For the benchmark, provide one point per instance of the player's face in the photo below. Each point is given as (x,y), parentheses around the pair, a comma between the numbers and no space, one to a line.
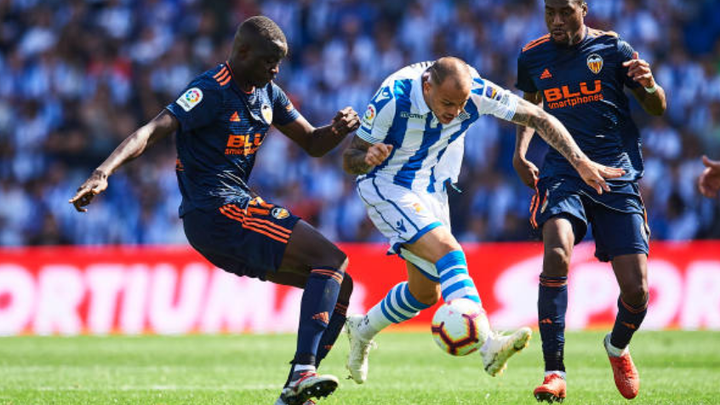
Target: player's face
(262,62)
(565,20)
(446,100)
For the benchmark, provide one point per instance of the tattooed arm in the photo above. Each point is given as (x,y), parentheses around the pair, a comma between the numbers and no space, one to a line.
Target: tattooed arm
(361,156)
(557,136)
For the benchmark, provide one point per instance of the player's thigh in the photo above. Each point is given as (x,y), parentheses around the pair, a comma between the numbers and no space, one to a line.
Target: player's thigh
(618,233)
(421,287)
(308,249)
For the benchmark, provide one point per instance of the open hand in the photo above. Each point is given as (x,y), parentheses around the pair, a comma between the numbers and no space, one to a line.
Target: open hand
(709,180)
(96,184)
(594,174)
(345,121)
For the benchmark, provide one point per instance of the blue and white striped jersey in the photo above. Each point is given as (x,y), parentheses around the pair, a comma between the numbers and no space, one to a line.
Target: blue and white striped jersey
(425,152)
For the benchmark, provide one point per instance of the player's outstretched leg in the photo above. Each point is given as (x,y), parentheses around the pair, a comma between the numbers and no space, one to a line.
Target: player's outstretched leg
(498,349)
(552,389)
(627,379)
(398,306)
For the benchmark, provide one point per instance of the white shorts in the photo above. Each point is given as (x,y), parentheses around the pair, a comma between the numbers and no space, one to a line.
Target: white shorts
(404,215)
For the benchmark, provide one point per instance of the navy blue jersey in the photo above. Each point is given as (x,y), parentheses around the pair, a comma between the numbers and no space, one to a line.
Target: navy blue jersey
(582,85)
(221,129)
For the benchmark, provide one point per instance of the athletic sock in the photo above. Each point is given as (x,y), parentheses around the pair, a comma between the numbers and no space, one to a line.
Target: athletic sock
(455,282)
(337,321)
(627,322)
(399,305)
(316,308)
(552,306)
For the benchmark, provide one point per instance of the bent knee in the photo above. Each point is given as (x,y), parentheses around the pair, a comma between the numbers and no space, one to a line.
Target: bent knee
(635,296)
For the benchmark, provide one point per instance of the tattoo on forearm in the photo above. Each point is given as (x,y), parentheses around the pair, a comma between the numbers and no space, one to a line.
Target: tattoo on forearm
(354,157)
(551,130)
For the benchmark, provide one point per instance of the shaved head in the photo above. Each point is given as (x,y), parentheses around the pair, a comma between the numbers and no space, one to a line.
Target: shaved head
(451,68)
(255,28)
(446,88)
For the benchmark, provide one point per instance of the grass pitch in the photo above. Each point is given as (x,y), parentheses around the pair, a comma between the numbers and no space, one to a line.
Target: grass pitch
(407,368)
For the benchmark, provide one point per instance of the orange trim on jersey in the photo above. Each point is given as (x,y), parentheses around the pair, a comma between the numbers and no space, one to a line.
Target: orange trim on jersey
(598,33)
(259,228)
(536,42)
(222,72)
(259,222)
(222,77)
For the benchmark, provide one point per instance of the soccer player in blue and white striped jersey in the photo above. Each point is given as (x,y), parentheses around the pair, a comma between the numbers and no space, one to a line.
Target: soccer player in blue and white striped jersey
(407,151)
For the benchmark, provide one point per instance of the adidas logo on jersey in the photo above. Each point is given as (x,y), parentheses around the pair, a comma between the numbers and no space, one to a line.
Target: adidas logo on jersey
(545,75)
(235,117)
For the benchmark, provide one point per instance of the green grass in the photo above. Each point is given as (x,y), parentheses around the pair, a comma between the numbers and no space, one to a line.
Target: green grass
(407,368)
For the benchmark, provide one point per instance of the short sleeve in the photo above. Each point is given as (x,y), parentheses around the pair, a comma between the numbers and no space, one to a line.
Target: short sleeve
(284,111)
(490,98)
(198,105)
(524,81)
(626,52)
(378,118)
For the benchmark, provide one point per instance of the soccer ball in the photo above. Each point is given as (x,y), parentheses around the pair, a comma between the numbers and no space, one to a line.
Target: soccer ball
(460,327)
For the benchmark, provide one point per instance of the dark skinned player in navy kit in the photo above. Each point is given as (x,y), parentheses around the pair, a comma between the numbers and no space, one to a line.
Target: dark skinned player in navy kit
(578,74)
(220,121)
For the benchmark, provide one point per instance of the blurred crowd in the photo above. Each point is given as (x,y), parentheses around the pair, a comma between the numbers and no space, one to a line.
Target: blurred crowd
(78,76)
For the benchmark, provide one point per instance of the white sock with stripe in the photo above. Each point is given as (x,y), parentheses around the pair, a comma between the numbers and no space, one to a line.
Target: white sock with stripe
(455,282)
(398,306)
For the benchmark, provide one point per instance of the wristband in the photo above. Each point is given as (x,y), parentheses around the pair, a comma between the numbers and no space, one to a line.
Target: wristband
(652,89)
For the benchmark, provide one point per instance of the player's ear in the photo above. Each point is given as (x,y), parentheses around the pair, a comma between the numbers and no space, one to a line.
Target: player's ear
(584,8)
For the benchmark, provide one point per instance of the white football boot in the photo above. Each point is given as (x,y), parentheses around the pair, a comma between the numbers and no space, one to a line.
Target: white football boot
(357,362)
(497,349)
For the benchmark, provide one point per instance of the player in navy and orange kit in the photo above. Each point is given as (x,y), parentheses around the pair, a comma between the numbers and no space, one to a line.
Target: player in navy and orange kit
(578,74)
(220,121)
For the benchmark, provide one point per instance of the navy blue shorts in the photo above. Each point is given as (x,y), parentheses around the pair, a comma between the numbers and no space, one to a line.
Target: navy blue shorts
(247,242)
(618,218)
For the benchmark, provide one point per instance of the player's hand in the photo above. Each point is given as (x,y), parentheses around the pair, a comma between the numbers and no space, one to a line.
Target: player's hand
(594,174)
(709,180)
(345,121)
(377,154)
(527,171)
(96,184)
(640,71)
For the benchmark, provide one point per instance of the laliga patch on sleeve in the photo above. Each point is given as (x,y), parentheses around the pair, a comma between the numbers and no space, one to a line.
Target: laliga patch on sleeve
(369,116)
(190,99)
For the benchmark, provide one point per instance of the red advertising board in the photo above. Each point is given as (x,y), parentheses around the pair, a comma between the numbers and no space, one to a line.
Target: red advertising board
(172,290)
